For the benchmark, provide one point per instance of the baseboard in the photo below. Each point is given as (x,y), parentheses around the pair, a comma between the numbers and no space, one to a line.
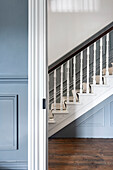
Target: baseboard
(14,165)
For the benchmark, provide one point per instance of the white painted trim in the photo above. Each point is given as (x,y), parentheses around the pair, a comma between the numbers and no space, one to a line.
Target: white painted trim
(68,81)
(107,54)
(55,89)
(94,66)
(11,164)
(61,89)
(87,70)
(36,85)
(101,46)
(74,78)
(81,74)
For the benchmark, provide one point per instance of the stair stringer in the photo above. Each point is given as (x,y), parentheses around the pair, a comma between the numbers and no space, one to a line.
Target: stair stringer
(87,102)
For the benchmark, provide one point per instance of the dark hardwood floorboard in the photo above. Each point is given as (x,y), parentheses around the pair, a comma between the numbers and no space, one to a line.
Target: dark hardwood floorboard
(80,154)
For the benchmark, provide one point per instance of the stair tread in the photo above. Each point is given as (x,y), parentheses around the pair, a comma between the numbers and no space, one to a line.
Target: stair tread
(73,103)
(57,106)
(99,85)
(60,112)
(51,121)
(110,76)
(86,94)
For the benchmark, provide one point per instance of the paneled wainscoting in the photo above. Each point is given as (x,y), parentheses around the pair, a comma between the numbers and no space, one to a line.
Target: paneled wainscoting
(13,124)
(96,123)
(80,154)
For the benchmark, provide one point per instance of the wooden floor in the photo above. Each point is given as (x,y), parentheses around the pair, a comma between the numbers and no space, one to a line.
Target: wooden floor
(80,154)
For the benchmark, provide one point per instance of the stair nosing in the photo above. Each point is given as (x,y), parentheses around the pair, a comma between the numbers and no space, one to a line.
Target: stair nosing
(60,112)
(99,85)
(86,94)
(73,103)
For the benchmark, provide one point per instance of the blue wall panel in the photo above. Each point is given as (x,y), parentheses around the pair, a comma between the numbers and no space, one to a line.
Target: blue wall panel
(111,113)
(13,84)
(96,123)
(13,38)
(14,121)
(8,122)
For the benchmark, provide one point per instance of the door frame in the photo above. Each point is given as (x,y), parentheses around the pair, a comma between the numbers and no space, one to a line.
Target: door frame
(37,71)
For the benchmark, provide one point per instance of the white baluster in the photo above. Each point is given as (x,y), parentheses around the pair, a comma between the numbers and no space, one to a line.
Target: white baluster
(81,58)
(55,89)
(101,61)
(88,70)
(74,78)
(61,91)
(67,81)
(107,54)
(94,66)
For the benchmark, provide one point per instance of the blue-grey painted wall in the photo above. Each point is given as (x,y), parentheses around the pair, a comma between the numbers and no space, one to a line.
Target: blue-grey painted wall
(13,84)
(13,38)
(96,123)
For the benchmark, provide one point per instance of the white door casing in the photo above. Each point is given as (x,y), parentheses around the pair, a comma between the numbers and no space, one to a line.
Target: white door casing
(37,140)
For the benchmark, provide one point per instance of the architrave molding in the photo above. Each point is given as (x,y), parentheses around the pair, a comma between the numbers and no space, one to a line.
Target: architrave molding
(37,140)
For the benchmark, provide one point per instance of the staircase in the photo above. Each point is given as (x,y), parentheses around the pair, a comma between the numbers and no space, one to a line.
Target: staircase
(80,80)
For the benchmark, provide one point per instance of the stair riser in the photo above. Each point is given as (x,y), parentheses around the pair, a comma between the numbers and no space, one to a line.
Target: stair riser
(51,121)
(109,80)
(96,90)
(86,99)
(75,107)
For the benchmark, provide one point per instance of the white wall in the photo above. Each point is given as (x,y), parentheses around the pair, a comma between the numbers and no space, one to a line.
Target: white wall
(68,29)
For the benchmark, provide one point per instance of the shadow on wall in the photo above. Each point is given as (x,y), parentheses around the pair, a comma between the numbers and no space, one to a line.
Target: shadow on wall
(74,5)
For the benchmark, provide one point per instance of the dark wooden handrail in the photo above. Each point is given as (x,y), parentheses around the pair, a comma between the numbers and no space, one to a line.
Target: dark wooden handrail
(80,47)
